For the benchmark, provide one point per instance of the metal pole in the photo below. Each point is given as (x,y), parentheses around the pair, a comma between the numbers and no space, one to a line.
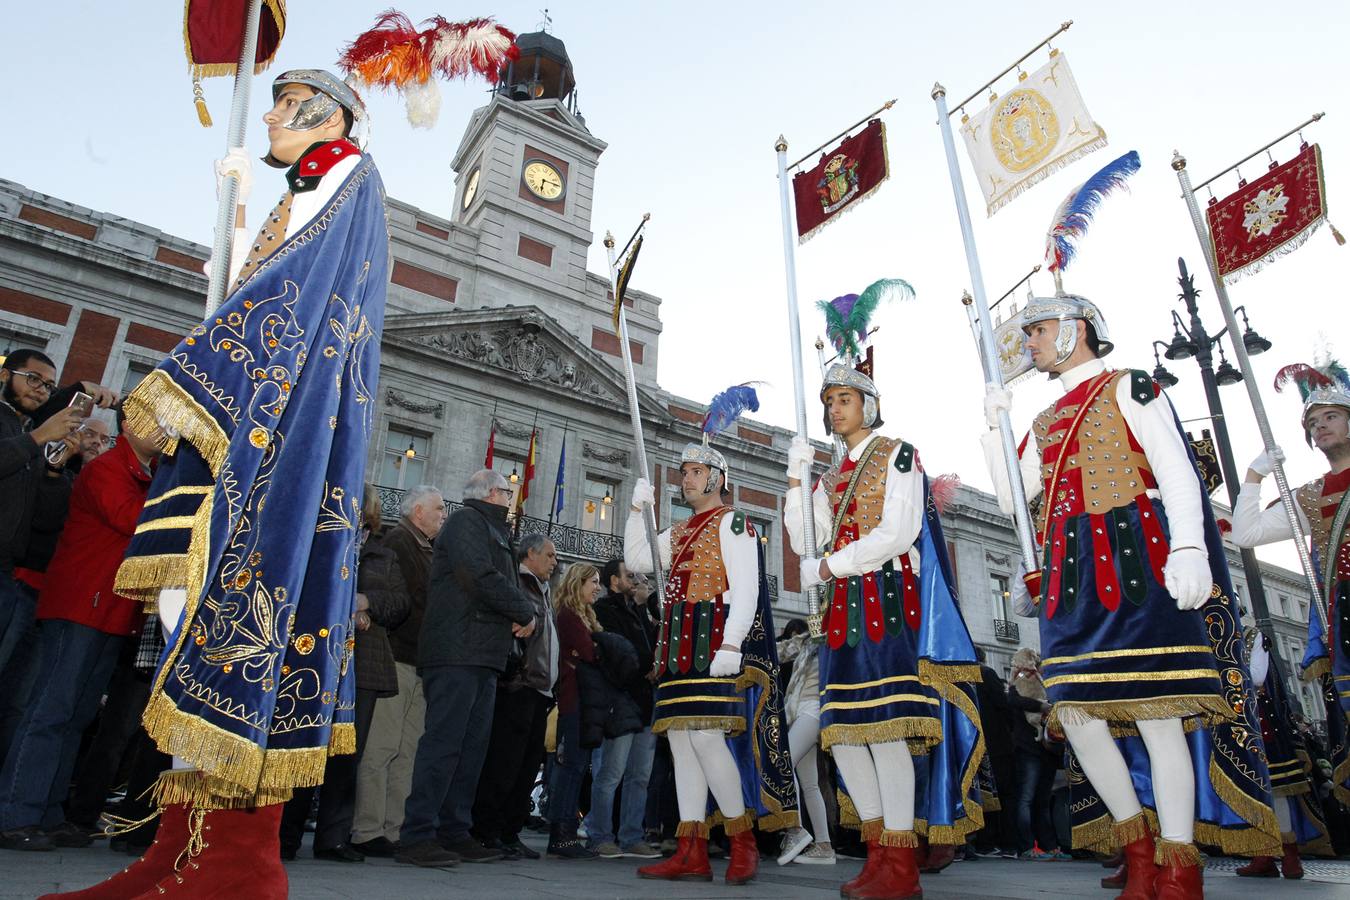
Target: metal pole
(630,380)
(1253,392)
(809,545)
(1021,515)
(1063,27)
(1205,359)
(885,106)
(1316,117)
(234,137)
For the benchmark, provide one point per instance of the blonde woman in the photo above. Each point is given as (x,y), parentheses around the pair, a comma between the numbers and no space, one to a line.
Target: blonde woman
(576,623)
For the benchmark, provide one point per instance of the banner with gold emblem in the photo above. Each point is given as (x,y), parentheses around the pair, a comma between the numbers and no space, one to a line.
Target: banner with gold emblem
(1032,131)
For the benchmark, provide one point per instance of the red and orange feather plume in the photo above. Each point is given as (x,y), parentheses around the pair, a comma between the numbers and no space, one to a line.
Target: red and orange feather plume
(391,54)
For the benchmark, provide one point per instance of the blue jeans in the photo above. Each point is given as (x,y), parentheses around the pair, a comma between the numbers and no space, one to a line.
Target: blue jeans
(569,770)
(627,758)
(18,603)
(76,663)
(450,753)
(1035,779)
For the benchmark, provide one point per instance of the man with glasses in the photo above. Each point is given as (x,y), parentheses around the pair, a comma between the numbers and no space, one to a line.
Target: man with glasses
(27,483)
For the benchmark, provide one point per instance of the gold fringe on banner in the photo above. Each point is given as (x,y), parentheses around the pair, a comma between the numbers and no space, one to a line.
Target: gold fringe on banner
(889,838)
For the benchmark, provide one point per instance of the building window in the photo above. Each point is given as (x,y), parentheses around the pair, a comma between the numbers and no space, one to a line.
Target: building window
(597,505)
(513,470)
(403,464)
(1280,605)
(679,510)
(1000,598)
(763,533)
(135,373)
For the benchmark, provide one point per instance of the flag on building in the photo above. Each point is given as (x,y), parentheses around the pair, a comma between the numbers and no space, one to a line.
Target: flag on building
(492,446)
(560,482)
(625,273)
(1269,217)
(849,173)
(1033,131)
(213,36)
(529,475)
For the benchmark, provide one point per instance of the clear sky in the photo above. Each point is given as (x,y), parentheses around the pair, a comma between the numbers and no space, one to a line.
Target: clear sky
(691,96)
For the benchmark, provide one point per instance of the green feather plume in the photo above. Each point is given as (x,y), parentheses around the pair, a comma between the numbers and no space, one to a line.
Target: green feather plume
(847,318)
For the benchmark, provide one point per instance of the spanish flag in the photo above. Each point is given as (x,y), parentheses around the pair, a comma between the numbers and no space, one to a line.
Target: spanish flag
(529,474)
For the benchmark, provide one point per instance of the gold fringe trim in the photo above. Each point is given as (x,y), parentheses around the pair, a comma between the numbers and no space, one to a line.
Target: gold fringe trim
(692,829)
(1320,845)
(957,832)
(933,673)
(990,803)
(744,822)
(1317,668)
(201,791)
(1175,853)
(732,725)
(1212,708)
(158,401)
(1261,839)
(779,821)
(921,732)
(891,838)
(342,740)
(871,830)
(1130,830)
(143,577)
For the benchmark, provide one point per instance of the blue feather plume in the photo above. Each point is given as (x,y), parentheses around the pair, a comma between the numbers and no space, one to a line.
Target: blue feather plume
(1075,214)
(727,406)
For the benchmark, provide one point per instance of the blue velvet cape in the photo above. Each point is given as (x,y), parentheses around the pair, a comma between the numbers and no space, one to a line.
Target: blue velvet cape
(255,510)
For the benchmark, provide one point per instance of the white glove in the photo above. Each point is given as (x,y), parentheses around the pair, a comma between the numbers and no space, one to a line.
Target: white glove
(235,160)
(799,459)
(996,400)
(1188,577)
(643,494)
(1023,603)
(725,663)
(811,573)
(1264,464)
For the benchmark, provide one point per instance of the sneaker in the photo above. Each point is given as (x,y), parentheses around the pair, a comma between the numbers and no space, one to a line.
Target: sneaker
(516,849)
(470,851)
(607,850)
(991,853)
(377,846)
(427,854)
(1035,853)
(641,850)
(569,848)
(68,834)
(1008,854)
(27,838)
(1061,855)
(816,855)
(795,840)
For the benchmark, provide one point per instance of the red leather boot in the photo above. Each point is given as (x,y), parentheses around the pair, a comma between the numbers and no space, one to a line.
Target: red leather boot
(1140,869)
(1180,876)
(1292,864)
(144,873)
(228,853)
(871,835)
(897,877)
(744,857)
(1259,867)
(690,862)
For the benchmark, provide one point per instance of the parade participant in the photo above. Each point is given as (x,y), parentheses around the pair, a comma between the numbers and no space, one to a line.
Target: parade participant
(897,664)
(1323,511)
(1139,629)
(247,544)
(717,694)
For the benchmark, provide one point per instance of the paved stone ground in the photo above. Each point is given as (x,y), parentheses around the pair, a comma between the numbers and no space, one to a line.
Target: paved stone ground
(26,875)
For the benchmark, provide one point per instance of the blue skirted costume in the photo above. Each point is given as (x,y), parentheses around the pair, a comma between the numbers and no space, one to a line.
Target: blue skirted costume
(255,509)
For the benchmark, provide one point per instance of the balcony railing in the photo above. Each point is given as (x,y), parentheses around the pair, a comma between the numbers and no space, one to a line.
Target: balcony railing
(577,543)
(1006,631)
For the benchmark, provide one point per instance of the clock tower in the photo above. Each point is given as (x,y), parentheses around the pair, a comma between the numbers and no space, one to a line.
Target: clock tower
(525,170)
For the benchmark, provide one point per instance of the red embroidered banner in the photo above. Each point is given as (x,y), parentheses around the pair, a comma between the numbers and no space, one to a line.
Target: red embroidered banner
(213,34)
(845,175)
(1269,217)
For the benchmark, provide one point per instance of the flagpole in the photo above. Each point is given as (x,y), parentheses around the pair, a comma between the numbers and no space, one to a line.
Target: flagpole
(234,137)
(562,457)
(1254,394)
(630,379)
(1021,514)
(809,546)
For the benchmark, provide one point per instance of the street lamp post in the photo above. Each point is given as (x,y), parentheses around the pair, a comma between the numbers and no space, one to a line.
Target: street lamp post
(1193,341)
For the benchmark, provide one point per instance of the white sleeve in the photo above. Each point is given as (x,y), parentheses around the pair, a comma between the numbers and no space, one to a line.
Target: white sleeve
(1030,463)
(901,518)
(308,205)
(637,554)
(792,518)
(1253,526)
(1154,426)
(741,558)
(1260,662)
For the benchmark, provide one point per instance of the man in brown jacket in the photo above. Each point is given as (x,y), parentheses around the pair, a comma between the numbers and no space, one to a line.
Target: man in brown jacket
(384,775)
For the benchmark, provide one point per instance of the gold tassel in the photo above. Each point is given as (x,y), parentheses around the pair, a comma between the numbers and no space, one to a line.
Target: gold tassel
(889,838)
(203,114)
(1340,239)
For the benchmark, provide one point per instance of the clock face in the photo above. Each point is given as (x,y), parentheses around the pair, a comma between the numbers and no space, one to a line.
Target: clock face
(471,189)
(543,180)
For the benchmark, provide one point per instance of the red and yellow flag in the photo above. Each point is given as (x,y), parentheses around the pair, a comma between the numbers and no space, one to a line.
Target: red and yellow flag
(529,474)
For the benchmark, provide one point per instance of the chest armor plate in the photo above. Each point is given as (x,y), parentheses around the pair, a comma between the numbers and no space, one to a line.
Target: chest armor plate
(698,572)
(1320,509)
(869,494)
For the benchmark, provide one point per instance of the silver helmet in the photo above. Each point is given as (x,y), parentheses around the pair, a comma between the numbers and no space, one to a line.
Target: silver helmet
(330,94)
(1068,308)
(1324,396)
(705,455)
(844,375)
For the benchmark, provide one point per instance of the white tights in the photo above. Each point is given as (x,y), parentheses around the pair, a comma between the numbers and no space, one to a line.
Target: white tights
(703,763)
(880,781)
(802,737)
(1283,813)
(1169,759)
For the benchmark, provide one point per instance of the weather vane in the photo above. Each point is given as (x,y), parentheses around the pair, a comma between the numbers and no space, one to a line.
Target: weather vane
(548,20)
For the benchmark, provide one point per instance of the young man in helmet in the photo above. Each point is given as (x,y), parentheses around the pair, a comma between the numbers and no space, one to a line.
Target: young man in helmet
(715,642)
(1131,555)
(885,688)
(246,545)
(1323,512)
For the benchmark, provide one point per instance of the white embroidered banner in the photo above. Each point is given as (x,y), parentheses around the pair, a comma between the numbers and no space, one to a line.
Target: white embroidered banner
(1035,129)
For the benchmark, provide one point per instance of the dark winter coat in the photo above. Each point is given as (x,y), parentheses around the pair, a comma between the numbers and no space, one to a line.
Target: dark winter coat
(413,552)
(618,615)
(607,710)
(380,578)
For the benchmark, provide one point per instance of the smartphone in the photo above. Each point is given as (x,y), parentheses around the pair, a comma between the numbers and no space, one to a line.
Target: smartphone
(83,402)
(55,451)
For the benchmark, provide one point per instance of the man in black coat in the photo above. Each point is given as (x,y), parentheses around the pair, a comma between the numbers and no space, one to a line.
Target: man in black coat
(627,758)
(475,608)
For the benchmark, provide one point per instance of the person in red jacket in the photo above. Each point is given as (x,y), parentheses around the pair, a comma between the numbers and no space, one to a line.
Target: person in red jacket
(83,625)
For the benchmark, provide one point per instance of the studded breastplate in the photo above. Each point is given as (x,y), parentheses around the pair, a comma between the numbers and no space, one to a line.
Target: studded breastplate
(865,508)
(1319,500)
(697,571)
